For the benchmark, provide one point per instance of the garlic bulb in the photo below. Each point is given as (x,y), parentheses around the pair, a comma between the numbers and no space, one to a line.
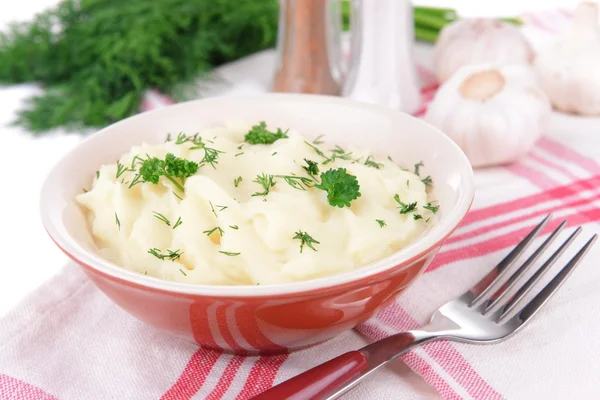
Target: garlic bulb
(478,41)
(569,70)
(494,113)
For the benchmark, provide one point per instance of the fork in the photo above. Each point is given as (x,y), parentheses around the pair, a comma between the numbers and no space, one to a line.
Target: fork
(490,312)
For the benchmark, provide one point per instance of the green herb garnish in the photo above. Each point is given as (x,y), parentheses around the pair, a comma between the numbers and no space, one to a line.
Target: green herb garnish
(182,138)
(341,187)
(169,255)
(121,169)
(96,59)
(305,239)
(405,208)
(260,135)
(273,153)
(184,274)
(212,208)
(221,208)
(117,221)
(318,139)
(237,181)
(178,196)
(372,163)
(266,181)
(381,223)
(417,217)
(311,168)
(135,181)
(162,218)
(431,207)
(211,231)
(336,153)
(317,150)
(427,181)
(97,174)
(211,155)
(177,223)
(234,227)
(239,154)
(229,253)
(418,166)
(171,167)
(297,182)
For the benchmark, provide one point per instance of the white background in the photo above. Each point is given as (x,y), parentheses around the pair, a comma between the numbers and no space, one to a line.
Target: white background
(29,257)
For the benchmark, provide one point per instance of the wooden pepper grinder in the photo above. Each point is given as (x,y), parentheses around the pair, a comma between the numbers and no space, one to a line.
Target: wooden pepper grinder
(307,47)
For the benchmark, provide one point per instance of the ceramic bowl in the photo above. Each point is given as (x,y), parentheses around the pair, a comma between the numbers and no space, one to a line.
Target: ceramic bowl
(269,318)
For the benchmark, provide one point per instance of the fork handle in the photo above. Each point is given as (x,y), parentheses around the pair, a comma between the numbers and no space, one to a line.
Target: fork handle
(317,382)
(334,377)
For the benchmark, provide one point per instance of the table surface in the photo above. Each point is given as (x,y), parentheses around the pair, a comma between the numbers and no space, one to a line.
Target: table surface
(31,258)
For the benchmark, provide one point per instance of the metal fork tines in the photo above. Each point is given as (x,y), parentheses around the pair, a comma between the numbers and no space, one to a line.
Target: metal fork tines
(498,295)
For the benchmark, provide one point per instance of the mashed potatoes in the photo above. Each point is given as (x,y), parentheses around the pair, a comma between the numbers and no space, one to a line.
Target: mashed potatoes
(251,213)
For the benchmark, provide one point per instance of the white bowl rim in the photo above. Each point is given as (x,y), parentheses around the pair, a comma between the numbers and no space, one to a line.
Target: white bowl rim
(411,252)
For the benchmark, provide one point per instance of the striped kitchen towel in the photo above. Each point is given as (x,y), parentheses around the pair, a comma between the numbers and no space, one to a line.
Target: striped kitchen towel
(68,341)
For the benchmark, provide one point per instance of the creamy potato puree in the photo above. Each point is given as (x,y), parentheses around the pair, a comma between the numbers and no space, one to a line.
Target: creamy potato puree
(215,232)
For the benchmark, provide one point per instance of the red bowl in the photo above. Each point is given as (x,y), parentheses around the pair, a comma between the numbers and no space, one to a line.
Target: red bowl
(266,318)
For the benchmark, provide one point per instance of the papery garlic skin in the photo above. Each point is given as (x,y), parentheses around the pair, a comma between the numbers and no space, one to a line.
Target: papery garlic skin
(479,41)
(494,113)
(569,69)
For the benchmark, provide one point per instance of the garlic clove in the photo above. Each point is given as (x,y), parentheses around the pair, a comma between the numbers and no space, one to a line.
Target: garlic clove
(569,69)
(494,113)
(478,41)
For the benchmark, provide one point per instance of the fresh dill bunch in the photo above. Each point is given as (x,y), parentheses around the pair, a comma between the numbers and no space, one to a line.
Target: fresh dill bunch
(96,58)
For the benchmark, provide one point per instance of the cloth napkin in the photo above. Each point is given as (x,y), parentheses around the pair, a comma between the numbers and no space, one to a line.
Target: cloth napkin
(68,341)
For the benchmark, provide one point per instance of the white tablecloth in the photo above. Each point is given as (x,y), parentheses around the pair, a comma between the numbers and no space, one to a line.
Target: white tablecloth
(31,258)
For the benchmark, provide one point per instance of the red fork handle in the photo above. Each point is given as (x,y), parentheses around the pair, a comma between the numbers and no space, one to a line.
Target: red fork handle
(318,382)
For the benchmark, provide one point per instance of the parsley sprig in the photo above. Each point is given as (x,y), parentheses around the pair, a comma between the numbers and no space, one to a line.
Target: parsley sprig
(305,240)
(427,181)
(341,187)
(404,207)
(431,207)
(259,134)
(173,168)
(311,167)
